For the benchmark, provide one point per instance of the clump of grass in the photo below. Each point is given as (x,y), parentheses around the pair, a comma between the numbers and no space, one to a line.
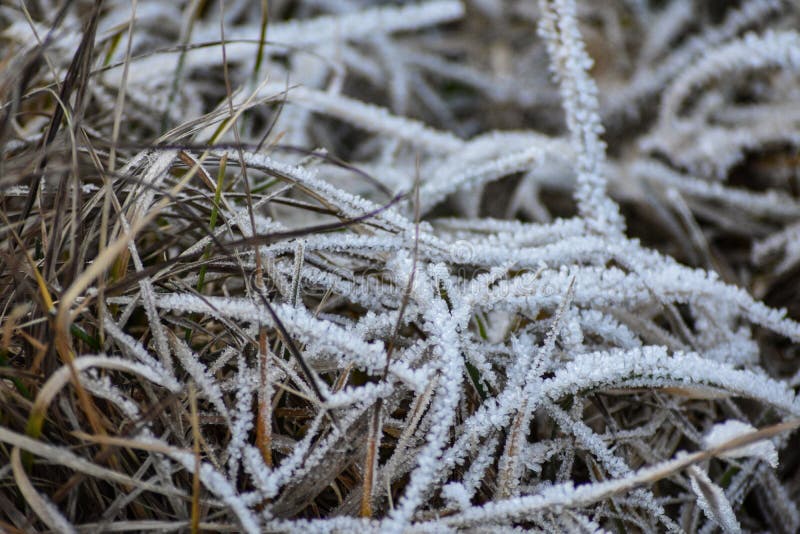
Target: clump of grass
(338,266)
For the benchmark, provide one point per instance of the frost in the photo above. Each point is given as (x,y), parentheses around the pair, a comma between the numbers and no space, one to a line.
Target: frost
(402,310)
(723,432)
(711,498)
(570,64)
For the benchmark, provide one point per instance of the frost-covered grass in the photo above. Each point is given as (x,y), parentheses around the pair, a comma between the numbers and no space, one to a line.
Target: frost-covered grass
(364,266)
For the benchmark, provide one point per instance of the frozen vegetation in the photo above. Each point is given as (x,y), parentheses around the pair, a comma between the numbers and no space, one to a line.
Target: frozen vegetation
(365,266)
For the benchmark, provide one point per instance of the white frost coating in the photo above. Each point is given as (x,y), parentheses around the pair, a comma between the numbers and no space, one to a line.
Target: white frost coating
(135,348)
(711,498)
(570,63)
(156,376)
(352,26)
(482,164)
(368,116)
(444,325)
(523,347)
(731,429)
(299,321)
(456,495)
(198,372)
(772,49)
(650,366)
(348,27)
(242,420)
(217,484)
(368,393)
(770,204)
(651,79)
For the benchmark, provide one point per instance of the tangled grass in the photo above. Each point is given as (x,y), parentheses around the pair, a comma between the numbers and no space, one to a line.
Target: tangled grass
(363,266)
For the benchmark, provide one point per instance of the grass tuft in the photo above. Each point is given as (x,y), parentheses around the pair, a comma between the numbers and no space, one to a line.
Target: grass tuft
(399,267)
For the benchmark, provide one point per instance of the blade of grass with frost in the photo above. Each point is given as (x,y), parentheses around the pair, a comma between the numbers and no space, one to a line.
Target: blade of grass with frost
(259,239)
(771,204)
(723,432)
(752,52)
(373,441)
(242,419)
(712,500)
(651,79)
(218,485)
(356,26)
(66,373)
(570,495)
(200,375)
(370,117)
(264,412)
(508,468)
(558,26)
(65,457)
(48,513)
(460,173)
(444,325)
(145,284)
(613,464)
(297,355)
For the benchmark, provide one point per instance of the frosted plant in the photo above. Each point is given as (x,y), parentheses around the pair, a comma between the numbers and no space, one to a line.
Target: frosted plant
(440,265)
